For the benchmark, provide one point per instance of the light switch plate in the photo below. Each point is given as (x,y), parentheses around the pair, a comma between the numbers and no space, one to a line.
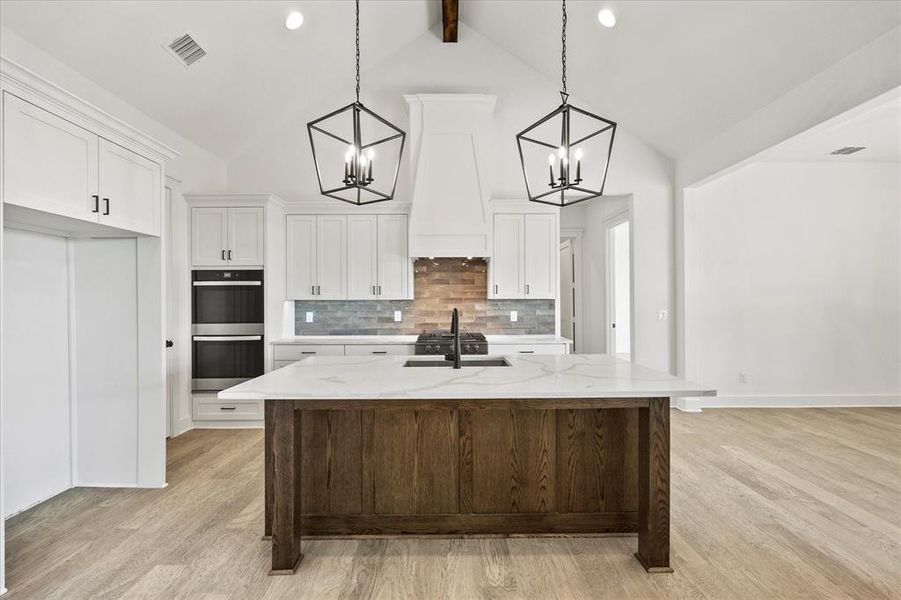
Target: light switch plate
(397,316)
(309,316)
(514,316)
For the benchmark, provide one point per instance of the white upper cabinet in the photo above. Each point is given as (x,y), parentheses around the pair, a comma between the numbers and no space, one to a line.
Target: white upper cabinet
(130,189)
(524,264)
(54,166)
(246,236)
(49,164)
(347,257)
(331,257)
(541,256)
(301,259)
(507,264)
(362,257)
(223,237)
(393,258)
(209,237)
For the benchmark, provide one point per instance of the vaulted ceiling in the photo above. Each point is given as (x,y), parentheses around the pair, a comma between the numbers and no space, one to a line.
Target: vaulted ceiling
(677,73)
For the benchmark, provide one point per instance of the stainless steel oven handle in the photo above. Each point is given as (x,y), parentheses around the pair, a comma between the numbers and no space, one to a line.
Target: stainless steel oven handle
(215,283)
(227,338)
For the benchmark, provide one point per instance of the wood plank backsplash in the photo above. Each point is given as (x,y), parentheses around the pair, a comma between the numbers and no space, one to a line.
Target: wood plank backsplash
(440,284)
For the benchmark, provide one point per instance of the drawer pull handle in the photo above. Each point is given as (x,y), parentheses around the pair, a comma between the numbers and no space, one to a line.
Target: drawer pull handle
(308,352)
(227,407)
(527,352)
(380,352)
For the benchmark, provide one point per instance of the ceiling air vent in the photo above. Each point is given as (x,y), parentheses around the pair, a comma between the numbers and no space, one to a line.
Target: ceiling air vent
(848,150)
(186,50)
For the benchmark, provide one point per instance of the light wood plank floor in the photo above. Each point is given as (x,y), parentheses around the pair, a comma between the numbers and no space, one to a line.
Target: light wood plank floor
(766,504)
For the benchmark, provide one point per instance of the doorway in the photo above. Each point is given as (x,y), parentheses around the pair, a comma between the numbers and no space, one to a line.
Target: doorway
(569,313)
(619,286)
(567,291)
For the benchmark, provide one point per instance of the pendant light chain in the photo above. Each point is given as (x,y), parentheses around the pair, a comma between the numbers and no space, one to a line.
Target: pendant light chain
(563,55)
(358,48)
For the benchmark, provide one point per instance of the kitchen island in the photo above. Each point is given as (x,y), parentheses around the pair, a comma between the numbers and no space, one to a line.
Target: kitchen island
(563,444)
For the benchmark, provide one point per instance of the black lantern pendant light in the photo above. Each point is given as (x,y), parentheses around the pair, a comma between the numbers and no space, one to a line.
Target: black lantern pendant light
(553,150)
(357,153)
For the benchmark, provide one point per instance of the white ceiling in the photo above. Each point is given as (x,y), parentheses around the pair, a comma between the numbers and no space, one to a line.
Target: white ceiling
(877,129)
(676,73)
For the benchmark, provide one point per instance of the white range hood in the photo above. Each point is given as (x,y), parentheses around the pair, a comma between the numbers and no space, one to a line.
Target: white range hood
(450,138)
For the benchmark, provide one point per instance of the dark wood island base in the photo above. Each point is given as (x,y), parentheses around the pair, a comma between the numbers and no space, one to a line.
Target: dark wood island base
(467,467)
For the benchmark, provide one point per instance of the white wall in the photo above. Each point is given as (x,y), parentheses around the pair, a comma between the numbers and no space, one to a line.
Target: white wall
(792,277)
(35,376)
(280,161)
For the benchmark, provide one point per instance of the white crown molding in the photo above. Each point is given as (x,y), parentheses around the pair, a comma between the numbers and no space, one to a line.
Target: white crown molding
(243,199)
(31,87)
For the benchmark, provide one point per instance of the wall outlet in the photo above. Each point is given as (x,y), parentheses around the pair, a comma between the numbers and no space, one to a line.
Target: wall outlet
(742,377)
(309,316)
(397,316)
(662,314)
(514,316)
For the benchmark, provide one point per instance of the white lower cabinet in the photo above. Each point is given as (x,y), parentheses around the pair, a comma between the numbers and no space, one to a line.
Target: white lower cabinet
(207,407)
(376,349)
(508,349)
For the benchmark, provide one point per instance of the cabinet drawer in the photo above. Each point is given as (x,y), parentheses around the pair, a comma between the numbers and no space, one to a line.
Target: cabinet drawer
(210,408)
(300,351)
(505,349)
(390,349)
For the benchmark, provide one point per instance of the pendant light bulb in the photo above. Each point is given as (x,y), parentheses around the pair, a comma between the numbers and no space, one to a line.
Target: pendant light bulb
(561,152)
(370,154)
(550,159)
(578,154)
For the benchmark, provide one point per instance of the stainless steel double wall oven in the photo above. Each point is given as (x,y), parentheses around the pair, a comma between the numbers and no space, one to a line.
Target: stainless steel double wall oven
(227,317)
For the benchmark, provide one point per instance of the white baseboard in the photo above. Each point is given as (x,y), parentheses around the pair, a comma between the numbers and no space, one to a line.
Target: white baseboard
(228,425)
(692,405)
(788,401)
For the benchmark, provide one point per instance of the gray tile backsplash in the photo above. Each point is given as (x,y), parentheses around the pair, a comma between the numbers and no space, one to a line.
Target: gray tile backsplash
(440,285)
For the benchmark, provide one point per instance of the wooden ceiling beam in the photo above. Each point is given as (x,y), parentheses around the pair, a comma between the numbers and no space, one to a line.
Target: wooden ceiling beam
(449,14)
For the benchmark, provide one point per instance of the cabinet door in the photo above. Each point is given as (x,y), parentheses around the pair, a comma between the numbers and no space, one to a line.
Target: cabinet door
(331,257)
(130,189)
(209,237)
(300,242)
(245,236)
(393,259)
(362,256)
(49,164)
(507,276)
(542,249)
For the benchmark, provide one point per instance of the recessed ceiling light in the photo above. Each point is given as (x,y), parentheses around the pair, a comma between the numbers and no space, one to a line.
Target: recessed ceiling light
(294,20)
(606,17)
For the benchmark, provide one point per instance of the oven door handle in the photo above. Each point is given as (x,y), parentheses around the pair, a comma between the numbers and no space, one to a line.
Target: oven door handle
(224,283)
(227,338)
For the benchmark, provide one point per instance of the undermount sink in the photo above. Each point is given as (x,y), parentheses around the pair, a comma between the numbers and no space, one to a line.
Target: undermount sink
(465,362)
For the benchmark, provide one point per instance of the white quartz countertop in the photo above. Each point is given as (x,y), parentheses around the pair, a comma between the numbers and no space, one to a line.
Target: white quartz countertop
(411,339)
(531,376)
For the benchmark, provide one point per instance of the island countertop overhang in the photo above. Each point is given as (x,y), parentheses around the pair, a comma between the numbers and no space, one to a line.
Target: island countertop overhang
(588,376)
